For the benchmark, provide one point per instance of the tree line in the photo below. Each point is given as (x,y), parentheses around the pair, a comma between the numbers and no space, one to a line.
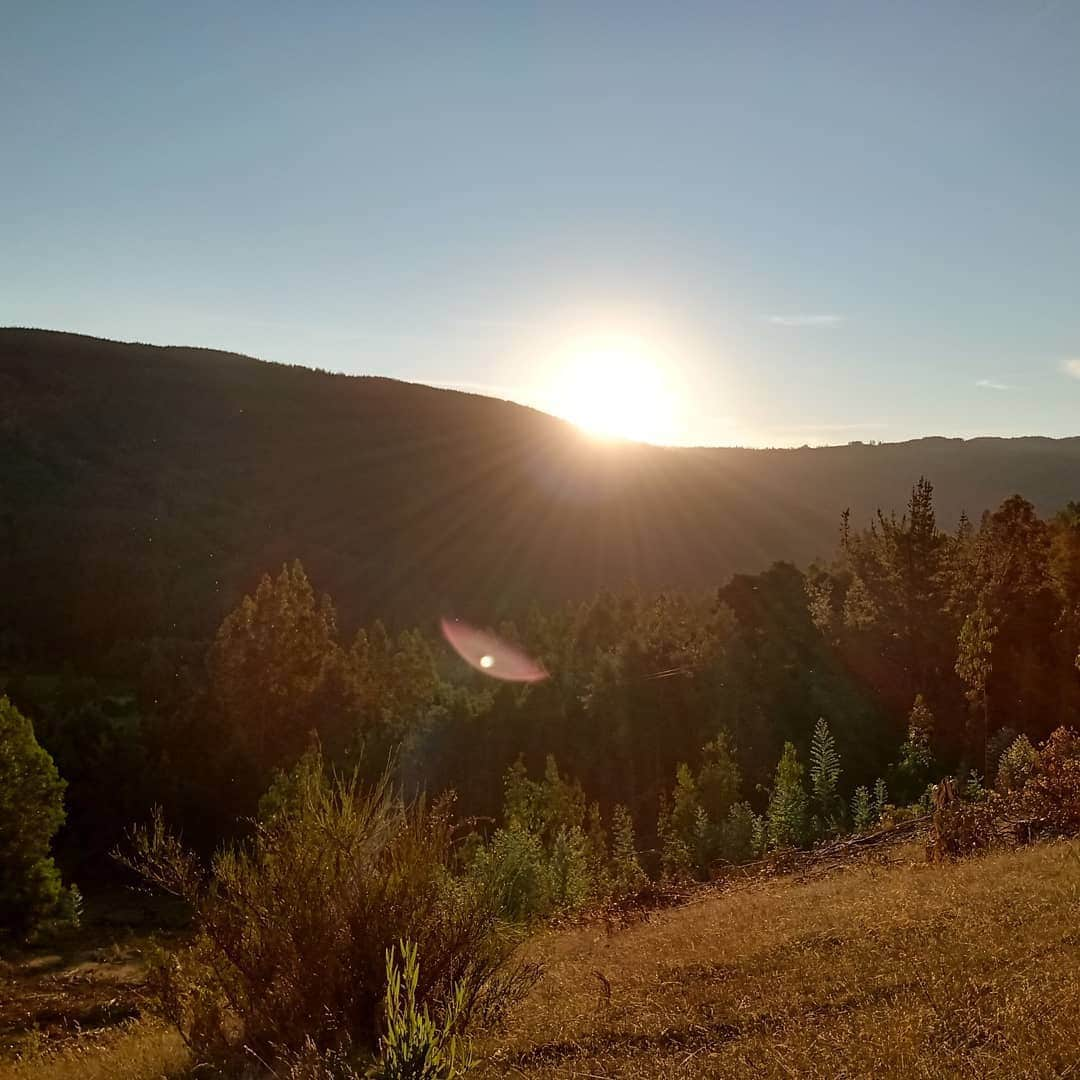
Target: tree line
(683,729)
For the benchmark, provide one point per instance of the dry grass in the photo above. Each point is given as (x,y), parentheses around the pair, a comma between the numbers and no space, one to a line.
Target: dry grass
(904,970)
(146,1050)
(909,970)
(76,1007)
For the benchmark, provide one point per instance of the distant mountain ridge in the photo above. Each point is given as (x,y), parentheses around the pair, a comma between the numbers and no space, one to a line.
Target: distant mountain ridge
(144,488)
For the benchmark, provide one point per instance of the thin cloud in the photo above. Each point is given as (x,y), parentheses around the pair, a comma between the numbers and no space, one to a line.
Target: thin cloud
(806,320)
(993,384)
(1071,367)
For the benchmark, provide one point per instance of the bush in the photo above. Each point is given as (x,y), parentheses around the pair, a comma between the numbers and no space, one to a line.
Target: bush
(570,874)
(680,828)
(738,834)
(414,1046)
(1052,795)
(31,811)
(787,812)
(1016,764)
(862,809)
(625,874)
(513,870)
(292,926)
(824,777)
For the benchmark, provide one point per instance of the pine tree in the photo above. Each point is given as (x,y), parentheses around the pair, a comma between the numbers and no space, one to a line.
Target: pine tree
(881,798)
(31,811)
(916,761)
(268,667)
(787,813)
(680,832)
(738,835)
(627,876)
(862,812)
(825,775)
(718,779)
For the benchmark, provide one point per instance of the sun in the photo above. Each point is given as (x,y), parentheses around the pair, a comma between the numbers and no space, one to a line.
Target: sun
(614,388)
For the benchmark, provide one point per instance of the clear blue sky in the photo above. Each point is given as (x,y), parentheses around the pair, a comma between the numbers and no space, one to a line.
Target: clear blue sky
(831,220)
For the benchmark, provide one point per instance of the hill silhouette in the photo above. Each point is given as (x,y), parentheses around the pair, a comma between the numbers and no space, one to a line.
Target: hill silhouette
(144,488)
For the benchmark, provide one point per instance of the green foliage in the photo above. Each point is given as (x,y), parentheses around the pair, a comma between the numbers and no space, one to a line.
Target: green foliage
(624,870)
(288,787)
(881,798)
(825,777)
(31,811)
(572,882)
(788,824)
(916,760)
(269,667)
(413,1046)
(513,868)
(719,778)
(738,835)
(680,828)
(863,812)
(292,926)
(542,860)
(1016,765)
(996,745)
(972,789)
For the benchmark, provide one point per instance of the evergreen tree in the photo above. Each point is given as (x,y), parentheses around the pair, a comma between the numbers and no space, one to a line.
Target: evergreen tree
(679,826)
(738,834)
(862,811)
(881,798)
(268,667)
(626,874)
(31,811)
(718,779)
(787,812)
(825,776)
(916,761)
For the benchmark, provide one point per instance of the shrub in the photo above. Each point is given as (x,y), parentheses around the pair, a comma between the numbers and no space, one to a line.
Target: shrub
(674,829)
(996,745)
(962,828)
(572,883)
(414,1046)
(881,799)
(624,870)
(786,815)
(31,811)
(862,810)
(824,777)
(513,870)
(737,834)
(1052,794)
(1016,765)
(718,779)
(916,761)
(292,926)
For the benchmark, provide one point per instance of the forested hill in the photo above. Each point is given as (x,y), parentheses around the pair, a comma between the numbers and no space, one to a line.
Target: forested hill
(143,489)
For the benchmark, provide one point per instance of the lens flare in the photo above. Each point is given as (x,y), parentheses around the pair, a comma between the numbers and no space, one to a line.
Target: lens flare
(491,655)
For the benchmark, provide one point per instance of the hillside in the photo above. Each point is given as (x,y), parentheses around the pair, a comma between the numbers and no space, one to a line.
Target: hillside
(901,970)
(142,489)
(905,971)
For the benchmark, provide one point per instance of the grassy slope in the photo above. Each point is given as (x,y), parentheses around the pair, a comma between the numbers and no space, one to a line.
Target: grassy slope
(902,970)
(906,971)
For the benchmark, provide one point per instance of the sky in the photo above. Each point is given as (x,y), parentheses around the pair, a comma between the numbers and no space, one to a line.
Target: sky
(821,222)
